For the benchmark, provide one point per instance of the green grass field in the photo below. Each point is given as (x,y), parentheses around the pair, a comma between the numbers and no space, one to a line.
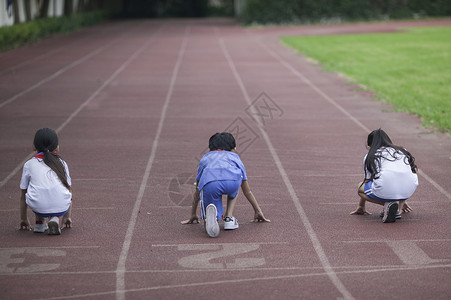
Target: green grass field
(410,69)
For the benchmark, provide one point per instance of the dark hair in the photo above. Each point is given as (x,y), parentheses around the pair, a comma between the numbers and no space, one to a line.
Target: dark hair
(377,139)
(221,141)
(46,141)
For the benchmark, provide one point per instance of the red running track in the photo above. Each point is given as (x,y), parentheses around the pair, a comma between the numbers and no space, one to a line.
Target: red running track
(134,104)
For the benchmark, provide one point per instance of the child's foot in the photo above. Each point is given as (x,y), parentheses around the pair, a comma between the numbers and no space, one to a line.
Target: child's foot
(398,215)
(211,221)
(390,210)
(40,227)
(230,223)
(54,226)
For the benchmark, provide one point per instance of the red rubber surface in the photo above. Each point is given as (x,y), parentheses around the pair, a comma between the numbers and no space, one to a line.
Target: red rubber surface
(134,104)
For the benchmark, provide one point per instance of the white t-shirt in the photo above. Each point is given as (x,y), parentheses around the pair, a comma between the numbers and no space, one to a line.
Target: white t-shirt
(45,191)
(396,179)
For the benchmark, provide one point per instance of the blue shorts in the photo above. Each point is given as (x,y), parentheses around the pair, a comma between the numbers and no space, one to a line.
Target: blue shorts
(368,189)
(47,215)
(212,194)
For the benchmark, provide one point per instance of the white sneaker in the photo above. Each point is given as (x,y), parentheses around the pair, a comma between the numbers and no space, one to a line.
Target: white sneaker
(230,223)
(40,228)
(54,226)
(211,221)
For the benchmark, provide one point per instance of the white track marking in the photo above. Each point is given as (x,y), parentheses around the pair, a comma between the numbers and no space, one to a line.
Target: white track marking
(56,247)
(56,74)
(308,226)
(383,241)
(435,184)
(355,269)
(272,278)
(120,270)
(73,208)
(42,56)
(83,105)
(259,243)
(59,72)
(342,109)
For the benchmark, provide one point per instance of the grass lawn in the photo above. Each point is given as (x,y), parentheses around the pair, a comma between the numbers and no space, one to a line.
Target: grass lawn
(410,69)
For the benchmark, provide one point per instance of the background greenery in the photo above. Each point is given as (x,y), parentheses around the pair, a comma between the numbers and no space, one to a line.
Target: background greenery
(410,70)
(311,11)
(20,34)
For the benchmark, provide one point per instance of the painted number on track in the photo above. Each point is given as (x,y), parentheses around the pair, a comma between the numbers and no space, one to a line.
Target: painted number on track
(15,260)
(211,256)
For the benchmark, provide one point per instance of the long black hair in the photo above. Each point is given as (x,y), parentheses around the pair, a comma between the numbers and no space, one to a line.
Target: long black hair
(46,141)
(377,139)
(222,141)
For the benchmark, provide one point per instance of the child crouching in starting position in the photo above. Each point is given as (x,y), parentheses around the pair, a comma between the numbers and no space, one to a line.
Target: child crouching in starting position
(221,172)
(390,177)
(46,186)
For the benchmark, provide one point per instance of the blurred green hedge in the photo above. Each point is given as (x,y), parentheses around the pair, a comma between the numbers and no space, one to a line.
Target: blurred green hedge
(18,35)
(313,11)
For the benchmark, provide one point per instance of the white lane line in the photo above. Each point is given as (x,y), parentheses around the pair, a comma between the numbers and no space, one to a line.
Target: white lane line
(383,241)
(243,280)
(342,109)
(121,268)
(84,104)
(175,206)
(257,243)
(435,184)
(297,203)
(103,179)
(355,269)
(14,68)
(56,74)
(60,71)
(73,208)
(51,247)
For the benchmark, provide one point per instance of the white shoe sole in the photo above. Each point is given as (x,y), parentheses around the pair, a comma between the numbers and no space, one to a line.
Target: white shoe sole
(390,210)
(211,222)
(54,228)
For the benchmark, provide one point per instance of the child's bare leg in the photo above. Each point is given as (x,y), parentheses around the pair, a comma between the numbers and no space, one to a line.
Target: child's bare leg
(230,206)
(361,209)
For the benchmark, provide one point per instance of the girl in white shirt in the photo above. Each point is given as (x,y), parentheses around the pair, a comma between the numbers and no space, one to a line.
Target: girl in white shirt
(46,186)
(390,177)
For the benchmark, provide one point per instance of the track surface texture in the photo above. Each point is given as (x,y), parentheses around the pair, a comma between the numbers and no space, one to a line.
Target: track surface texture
(134,103)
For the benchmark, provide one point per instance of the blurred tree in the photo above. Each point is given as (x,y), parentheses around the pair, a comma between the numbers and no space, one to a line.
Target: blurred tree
(16,12)
(44,9)
(28,17)
(68,7)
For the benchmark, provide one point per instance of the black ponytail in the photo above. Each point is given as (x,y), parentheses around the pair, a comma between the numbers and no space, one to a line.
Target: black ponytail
(46,141)
(377,139)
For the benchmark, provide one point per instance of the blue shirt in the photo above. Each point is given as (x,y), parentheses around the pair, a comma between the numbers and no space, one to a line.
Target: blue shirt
(220,165)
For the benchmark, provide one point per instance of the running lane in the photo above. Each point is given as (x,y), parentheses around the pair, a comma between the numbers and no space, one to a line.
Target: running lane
(133,141)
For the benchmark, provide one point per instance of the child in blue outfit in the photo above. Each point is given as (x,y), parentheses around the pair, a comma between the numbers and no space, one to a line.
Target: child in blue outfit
(221,172)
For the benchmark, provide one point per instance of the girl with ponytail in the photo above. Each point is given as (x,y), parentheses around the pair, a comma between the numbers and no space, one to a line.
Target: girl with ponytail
(46,186)
(390,177)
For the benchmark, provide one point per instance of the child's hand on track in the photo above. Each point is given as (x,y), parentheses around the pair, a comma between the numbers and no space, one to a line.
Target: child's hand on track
(360,211)
(405,208)
(25,225)
(66,223)
(259,217)
(192,220)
